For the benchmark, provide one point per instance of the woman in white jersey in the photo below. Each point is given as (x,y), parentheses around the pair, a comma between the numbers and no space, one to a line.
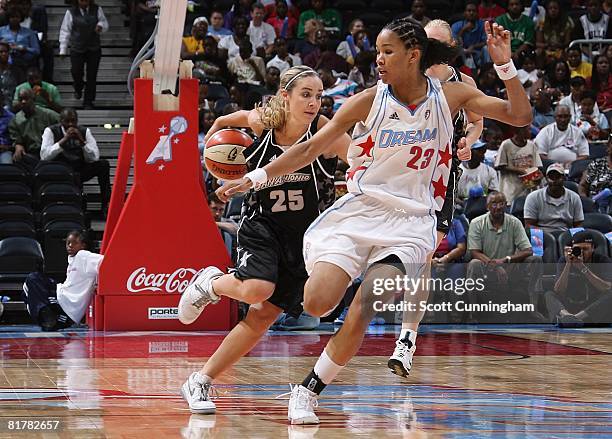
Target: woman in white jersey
(467,129)
(399,165)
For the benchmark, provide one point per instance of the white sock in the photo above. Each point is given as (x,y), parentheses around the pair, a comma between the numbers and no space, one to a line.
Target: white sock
(326,369)
(202,379)
(410,334)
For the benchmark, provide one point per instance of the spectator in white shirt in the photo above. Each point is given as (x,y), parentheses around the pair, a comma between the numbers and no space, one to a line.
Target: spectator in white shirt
(81,29)
(561,141)
(476,173)
(262,34)
(57,306)
(577,87)
(246,68)
(593,126)
(515,156)
(228,46)
(75,145)
(283,60)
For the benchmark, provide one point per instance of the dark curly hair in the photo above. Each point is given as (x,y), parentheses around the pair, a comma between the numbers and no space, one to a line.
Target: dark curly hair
(413,35)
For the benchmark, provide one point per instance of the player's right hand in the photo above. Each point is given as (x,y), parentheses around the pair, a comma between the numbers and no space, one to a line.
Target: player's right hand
(232,187)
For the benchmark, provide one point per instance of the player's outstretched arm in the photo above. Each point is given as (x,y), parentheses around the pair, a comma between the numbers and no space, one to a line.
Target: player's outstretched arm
(355,109)
(516,110)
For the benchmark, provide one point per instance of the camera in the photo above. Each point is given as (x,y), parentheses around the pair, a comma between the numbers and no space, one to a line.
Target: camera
(576,251)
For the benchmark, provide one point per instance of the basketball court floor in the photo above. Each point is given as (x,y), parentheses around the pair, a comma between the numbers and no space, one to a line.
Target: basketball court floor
(485,381)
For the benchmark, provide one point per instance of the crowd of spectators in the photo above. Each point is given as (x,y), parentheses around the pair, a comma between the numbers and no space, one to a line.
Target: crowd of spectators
(549,175)
(532,166)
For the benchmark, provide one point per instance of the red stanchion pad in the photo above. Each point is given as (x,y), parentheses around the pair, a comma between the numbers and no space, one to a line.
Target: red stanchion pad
(165,232)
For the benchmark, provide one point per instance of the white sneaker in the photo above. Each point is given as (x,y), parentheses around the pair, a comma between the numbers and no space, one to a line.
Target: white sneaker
(197,295)
(400,362)
(301,406)
(196,394)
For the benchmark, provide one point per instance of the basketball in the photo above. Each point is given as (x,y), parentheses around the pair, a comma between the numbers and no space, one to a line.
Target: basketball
(223,154)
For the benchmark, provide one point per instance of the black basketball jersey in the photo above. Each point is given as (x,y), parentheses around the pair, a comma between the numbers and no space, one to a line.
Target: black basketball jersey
(460,120)
(291,201)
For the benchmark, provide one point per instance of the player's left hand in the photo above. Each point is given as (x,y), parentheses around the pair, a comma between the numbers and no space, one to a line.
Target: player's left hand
(233,187)
(464,152)
(498,43)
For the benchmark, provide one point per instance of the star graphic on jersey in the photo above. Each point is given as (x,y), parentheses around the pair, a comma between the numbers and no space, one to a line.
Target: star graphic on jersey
(350,174)
(439,188)
(445,156)
(366,147)
(243,259)
(162,129)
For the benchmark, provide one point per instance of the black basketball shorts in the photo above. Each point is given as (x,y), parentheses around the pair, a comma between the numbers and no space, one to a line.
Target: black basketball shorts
(269,254)
(445,215)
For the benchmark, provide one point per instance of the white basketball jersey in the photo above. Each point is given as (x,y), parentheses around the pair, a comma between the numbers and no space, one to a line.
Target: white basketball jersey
(401,156)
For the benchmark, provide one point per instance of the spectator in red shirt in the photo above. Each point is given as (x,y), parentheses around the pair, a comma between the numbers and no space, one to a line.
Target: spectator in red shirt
(489,10)
(283,24)
(600,83)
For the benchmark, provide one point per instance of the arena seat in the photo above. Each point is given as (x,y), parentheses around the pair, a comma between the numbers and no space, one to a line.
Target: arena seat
(50,171)
(551,249)
(12,228)
(517,207)
(62,211)
(598,150)
(15,193)
(598,221)
(19,256)
(571,185)
(475,207)
(16,212)
(577,169)
(588,205)
(601,243)
(14,173)
(54,192)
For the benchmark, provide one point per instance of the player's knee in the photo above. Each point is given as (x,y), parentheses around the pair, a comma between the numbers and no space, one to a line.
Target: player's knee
(261,316)
(256,291)
(318,307)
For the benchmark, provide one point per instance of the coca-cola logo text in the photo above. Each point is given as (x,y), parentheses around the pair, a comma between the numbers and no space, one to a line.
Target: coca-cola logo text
(175,282)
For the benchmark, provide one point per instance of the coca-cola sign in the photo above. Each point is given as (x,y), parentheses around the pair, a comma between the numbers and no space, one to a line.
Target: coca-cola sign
(175,282)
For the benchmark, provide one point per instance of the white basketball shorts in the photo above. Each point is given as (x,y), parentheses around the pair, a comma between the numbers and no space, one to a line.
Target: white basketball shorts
(358,230)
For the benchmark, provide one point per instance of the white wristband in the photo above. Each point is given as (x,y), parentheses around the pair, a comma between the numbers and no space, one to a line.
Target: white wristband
(506,71)
(257,176)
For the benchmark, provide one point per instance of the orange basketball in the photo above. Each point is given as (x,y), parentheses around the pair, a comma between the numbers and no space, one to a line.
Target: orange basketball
(223,154)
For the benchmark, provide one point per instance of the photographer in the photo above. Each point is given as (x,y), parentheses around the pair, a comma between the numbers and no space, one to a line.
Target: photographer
(75,145)
(582,292)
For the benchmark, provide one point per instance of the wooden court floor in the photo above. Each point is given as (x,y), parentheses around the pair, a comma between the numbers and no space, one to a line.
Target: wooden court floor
(516,382)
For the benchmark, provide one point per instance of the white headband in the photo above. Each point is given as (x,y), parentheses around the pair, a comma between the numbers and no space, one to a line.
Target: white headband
(297,76)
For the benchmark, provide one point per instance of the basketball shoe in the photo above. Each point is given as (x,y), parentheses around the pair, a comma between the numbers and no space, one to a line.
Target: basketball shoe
(196,393)
(400,362)
(197,295)
(301,406)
